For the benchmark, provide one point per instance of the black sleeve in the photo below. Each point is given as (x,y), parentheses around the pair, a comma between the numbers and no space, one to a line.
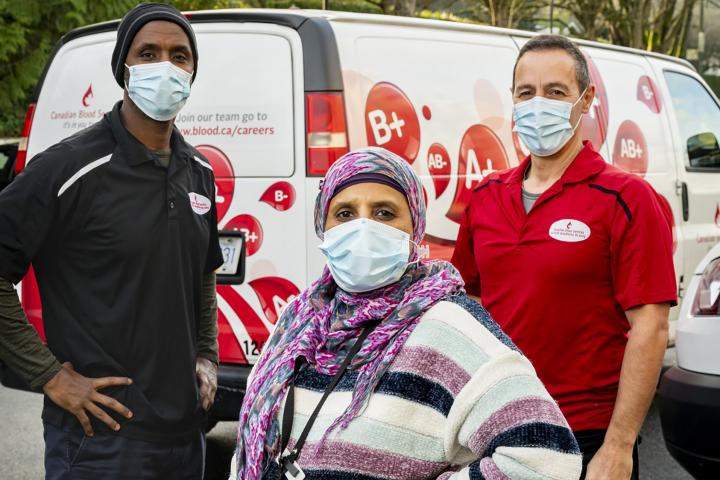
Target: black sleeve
(214,258)
(27,210)
(207,327)
(20,346)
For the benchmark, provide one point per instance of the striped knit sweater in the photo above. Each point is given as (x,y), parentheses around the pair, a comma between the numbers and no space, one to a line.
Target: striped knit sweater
(458,402)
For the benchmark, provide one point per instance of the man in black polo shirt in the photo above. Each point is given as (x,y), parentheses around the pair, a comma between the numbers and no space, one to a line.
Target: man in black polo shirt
(119,223)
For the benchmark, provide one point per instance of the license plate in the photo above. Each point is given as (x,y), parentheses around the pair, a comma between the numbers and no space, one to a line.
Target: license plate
(230,247)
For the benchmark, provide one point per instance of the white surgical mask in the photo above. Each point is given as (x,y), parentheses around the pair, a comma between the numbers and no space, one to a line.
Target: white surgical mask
(364,255)
(544,125)
(159,89)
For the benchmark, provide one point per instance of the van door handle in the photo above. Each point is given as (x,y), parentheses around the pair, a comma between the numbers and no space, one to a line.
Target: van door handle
(685,202)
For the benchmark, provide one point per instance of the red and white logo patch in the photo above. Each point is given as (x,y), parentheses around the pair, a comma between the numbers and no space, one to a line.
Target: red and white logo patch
(199,204)
(569,230)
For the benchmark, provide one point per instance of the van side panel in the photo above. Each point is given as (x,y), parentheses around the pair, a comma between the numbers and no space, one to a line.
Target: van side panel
(638,136)
(701,231)
(439,98)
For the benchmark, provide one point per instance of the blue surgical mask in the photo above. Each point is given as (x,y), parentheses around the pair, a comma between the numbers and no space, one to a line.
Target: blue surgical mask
(159,89)
(364,255)
(544,125)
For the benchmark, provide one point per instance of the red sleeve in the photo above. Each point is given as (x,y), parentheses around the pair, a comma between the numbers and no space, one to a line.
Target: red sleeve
(463,257)
(641,249)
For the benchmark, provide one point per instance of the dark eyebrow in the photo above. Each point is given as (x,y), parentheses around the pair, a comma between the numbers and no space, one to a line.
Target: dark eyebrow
(147,46)
(154,46)
(385,203)
(341,205)
(560,85)
(524,86)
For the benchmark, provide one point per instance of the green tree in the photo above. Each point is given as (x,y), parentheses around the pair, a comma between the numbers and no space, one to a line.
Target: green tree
(588,13)
(29,29)
(499,13)
(653,25)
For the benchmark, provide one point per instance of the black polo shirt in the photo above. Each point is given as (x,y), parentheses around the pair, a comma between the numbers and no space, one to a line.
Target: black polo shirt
(119,245)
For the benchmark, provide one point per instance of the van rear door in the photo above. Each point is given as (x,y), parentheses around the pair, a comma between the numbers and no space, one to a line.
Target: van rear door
(245,114)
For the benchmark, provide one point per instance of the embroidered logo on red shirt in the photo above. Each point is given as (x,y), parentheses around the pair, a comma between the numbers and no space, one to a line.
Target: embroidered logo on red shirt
(569,230)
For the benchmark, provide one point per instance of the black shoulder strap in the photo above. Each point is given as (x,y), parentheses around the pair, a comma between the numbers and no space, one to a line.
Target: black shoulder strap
(288,458)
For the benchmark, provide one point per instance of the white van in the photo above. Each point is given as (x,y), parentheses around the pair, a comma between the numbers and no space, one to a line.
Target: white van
(280,95)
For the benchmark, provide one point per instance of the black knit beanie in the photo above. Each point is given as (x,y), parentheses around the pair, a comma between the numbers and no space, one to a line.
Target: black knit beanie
(133,21)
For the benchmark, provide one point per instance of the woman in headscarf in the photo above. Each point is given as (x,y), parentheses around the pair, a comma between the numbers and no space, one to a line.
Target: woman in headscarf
(384,368)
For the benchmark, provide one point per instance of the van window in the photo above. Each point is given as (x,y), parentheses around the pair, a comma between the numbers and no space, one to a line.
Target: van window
(242,102)
(698,120)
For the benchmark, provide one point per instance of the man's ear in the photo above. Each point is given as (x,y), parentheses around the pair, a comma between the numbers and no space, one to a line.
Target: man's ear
(588,98)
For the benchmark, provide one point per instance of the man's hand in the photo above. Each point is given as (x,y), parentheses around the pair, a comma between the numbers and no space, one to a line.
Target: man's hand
(78,395)
(206,372)
(611,463)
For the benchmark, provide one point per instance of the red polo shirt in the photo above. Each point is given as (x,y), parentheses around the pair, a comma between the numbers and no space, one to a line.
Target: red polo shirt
(559,279)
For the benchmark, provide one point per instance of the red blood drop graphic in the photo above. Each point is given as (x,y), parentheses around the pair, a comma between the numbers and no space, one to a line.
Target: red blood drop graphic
(426,112)
(391,121)
(594,123)
(280,196)
(251,228)
(224,177)
(87,96)
(481,153)
(647,94)
(274,293)
(630,152)
(438,163)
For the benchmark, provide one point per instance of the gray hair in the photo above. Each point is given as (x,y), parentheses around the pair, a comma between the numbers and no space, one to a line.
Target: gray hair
(558,42)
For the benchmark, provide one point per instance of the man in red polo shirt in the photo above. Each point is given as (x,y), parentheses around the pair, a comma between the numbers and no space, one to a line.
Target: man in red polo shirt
(573,258)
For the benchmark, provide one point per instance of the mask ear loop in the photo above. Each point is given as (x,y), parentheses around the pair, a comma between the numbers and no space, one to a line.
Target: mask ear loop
(577,124)
(417,250)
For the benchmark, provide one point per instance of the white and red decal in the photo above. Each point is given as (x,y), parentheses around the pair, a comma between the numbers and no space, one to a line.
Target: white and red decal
(438,163)
(274,294)
(280,196)
(481,153)
(391,121)
(647,94)
(224,177)
(251,228)
(630,152)
(595,123)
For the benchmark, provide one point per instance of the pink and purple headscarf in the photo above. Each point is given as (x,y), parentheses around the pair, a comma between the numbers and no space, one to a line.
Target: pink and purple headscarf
(322,323)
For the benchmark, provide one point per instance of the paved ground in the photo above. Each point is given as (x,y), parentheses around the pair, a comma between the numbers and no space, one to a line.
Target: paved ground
(21,447)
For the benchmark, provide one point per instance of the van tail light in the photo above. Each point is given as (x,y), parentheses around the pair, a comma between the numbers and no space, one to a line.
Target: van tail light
(21,156)
(326,131)
(707,298)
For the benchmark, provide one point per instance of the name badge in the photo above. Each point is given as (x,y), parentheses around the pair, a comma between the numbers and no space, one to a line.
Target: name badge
(569,230)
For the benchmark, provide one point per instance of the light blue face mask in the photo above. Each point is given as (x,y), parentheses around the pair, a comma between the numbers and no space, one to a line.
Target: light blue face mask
(159,89)
(544,125)
(364,255)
